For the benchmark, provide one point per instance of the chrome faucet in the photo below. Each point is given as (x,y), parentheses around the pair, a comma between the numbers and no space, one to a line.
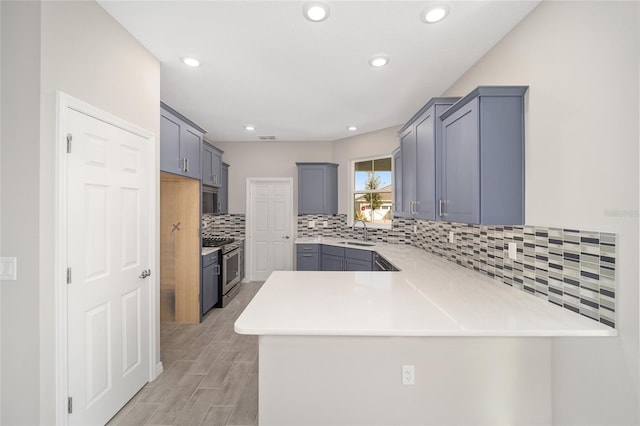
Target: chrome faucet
(364,236)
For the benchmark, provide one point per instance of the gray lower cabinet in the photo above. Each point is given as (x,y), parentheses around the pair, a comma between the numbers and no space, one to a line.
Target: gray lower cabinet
(210,282)
(481,179)
(346,259)
(180,144)
(317,188)
(419,145)
(308,257)
(211,165)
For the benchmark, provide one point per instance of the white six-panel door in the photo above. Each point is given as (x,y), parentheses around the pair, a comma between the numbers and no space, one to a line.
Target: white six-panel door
(270,238)
(107,300)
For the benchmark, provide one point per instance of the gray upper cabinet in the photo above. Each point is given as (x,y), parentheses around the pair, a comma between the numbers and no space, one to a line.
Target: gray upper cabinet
(223,192)
(481,176)
(408,158)
(419,146)
(180,144)
(211,165)
(317,188)
(397,181)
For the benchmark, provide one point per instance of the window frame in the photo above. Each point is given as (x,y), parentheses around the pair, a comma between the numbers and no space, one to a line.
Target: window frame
(352,192)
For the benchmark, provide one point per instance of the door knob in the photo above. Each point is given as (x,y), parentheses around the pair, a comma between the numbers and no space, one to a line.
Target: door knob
(145,273)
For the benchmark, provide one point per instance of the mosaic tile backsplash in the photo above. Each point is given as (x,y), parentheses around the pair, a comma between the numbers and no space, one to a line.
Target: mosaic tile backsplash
(571,268)
(223,225)
(400,233)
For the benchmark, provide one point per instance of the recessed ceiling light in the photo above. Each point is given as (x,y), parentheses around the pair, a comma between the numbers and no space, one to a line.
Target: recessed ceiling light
(315,11)
(192,62)
(433,14)
(378,61)
(352,128)
(249,128)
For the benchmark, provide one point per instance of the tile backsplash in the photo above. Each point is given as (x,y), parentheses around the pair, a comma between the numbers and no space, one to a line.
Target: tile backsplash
(223,225)
(400,232)
(571,268)
(574,269)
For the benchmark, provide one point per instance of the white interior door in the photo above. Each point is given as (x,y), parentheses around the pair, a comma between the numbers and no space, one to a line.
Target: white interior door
(107,237)
(270,216)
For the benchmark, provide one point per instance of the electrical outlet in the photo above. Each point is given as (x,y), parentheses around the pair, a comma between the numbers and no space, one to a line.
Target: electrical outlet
(8,268)
(311,224)
(452,237)
(408,375)
(415,228)
(513,251)
(325,224)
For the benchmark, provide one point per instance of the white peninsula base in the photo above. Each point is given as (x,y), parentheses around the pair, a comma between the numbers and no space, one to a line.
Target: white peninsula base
(345,380)
(332,346)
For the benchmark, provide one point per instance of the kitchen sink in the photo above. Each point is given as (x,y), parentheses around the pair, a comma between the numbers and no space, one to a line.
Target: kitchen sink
(355,243)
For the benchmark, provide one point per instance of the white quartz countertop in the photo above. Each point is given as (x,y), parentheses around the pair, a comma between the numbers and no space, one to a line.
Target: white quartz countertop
(429,296)
(209,250)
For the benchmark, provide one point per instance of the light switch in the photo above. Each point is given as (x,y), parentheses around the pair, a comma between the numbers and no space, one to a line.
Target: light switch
(513,251)
(8,268)
(311,224)
(325,224)
(452,237)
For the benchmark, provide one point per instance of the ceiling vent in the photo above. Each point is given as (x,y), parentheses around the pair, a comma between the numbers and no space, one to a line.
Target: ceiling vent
(267,138)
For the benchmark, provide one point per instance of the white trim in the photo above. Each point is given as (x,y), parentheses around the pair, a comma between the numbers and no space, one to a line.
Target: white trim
(64,103)
(352,191)
(248,220)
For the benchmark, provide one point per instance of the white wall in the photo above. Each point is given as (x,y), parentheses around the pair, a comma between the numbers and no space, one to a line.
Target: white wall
(267,159)
(372,144)
(580,60)
(19,190)
(278,159)
(80,50)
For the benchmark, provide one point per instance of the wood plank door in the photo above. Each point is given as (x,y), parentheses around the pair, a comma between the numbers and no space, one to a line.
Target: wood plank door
(270,229)
(108,296)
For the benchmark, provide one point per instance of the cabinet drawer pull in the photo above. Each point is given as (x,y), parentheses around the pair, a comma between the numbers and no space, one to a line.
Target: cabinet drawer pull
(307,255)
(307,248)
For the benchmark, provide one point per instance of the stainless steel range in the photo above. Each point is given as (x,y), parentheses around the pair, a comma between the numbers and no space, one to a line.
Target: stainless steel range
(231,266)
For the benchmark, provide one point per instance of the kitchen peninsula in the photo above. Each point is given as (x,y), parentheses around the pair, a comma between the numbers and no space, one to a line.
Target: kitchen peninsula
(332,345)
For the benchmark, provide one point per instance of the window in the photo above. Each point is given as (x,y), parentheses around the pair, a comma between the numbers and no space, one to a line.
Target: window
(372,193)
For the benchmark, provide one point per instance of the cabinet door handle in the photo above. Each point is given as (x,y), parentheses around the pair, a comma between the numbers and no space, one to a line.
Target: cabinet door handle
(186,161)
(217,269)
(440,208)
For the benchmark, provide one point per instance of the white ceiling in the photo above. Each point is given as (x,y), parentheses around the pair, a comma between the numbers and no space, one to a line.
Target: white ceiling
(264,64)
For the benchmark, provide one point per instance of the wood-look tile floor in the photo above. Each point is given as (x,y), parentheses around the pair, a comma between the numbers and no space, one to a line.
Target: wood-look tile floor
(210,373)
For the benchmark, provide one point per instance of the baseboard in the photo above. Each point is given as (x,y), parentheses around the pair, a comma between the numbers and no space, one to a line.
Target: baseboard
(159,369)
